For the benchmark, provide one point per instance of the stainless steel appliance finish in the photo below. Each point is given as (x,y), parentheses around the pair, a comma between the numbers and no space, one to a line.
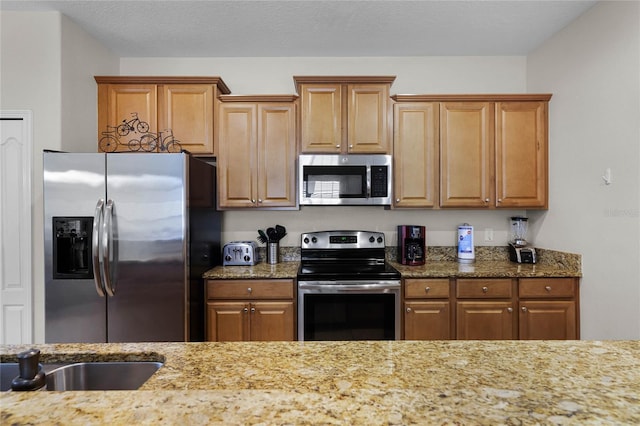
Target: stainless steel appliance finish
(240,253)
(132,272)
(346,289)
(358,179)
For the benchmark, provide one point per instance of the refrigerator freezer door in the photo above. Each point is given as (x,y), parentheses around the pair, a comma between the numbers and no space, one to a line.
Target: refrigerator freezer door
(73,185)
(148,247)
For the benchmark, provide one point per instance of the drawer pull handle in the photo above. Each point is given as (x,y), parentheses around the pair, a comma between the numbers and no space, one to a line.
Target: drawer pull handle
(427,289)
(548,288)
(485,289)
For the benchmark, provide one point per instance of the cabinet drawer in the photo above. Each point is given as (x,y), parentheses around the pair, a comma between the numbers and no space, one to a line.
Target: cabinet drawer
(250,289)
(426,288)
(546,287)
(483,288)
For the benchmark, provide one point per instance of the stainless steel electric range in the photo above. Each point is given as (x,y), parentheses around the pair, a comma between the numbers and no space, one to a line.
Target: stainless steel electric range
(346,289)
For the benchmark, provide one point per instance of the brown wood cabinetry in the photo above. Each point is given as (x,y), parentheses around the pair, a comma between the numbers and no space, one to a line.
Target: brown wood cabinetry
(250,310)
(257,151)
(548,308)
(341,115)
(493,150)
(427,313)
(185,105)
(491,308)
(485,309)
(416,154)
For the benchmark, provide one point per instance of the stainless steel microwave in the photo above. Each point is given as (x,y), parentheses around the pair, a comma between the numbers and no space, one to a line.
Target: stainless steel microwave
(350,180)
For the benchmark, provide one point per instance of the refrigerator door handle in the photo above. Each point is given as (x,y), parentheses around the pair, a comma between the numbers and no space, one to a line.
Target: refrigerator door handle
(95,246)
(106,247)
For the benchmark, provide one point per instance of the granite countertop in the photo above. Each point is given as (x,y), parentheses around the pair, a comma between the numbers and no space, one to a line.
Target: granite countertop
(374,382)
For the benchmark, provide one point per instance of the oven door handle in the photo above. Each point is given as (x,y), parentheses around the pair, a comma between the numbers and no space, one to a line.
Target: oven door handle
(349,288)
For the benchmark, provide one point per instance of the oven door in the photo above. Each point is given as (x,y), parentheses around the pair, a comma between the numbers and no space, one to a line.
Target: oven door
(349,310)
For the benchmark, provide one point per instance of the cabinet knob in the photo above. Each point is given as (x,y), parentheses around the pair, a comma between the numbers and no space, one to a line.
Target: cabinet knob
(245,310)
(486,200)
(253,201)
(524,309)
(509,310)
(427,289)
(259,200)
(350,146)
(397,200)
(337,146)
(548,288)
(499,200)
(253,310)
(485,289)
(249,290)
(408,309)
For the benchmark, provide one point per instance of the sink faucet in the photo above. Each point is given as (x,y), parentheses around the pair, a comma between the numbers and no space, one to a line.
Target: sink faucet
(31,376)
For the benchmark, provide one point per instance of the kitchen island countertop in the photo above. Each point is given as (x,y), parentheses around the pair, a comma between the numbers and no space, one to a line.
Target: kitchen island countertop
(375,382)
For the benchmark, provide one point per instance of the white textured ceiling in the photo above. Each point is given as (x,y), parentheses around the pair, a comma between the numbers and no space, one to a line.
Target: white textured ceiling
(212,28)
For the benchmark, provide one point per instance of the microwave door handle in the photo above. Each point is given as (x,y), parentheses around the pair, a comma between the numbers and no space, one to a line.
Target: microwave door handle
(368,194)
(106,247)
(98,217)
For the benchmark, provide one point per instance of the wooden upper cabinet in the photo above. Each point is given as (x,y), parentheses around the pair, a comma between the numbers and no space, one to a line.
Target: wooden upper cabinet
(187,109)
(126,112)
(257,151)
(342,115)
(185,105)
(466,154)
(415,154)
(521,154)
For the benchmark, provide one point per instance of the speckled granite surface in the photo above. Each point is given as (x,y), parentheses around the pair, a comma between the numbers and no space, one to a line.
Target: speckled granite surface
(389,382)
(491,262)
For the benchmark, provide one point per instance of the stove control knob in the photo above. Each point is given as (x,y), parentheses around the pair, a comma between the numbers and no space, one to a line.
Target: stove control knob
(371,239)
(306,240)
(314,240)
(380,239)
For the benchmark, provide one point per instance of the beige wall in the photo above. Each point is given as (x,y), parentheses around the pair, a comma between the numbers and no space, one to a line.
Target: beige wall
(593,69)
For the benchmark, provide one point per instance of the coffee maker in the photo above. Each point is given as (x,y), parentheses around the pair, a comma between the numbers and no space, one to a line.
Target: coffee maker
(411,245)
(519,250)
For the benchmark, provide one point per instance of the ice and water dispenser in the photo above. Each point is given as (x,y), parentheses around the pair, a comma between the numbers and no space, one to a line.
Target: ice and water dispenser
(72,247)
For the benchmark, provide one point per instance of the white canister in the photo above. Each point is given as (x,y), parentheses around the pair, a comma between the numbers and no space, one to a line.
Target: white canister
(466,251)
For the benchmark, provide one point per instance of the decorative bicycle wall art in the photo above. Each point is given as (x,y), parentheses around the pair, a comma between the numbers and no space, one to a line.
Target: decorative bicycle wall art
(163,141)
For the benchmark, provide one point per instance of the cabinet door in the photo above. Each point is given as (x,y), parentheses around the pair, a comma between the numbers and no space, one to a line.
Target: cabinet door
(227,321)
(466,154)
(272,321)
(368,119)
(117,106)
(427,320)
(187,109)
(521,154)
(548,320)
(321,118)
(276,149)
(485,320)
(415,154)
(237,156)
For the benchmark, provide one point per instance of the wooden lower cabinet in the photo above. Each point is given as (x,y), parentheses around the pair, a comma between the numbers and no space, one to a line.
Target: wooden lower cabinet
(491,309)
(250,310)
(549,308)
(485,320)
(427,313)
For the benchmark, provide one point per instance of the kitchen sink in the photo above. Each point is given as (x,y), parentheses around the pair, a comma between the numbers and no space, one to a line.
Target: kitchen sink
(88,375)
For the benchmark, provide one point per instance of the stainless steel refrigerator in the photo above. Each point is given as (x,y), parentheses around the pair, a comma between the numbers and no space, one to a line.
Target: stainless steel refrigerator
(127,239)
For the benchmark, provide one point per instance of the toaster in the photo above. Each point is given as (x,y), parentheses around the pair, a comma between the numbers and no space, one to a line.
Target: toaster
(240,253)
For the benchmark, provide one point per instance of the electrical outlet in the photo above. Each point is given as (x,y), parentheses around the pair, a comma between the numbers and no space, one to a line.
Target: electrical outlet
(488,234)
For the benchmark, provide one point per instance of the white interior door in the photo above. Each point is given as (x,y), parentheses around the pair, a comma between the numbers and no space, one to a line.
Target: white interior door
(16,317)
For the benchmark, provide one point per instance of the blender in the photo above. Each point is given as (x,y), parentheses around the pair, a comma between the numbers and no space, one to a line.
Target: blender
(519,250)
